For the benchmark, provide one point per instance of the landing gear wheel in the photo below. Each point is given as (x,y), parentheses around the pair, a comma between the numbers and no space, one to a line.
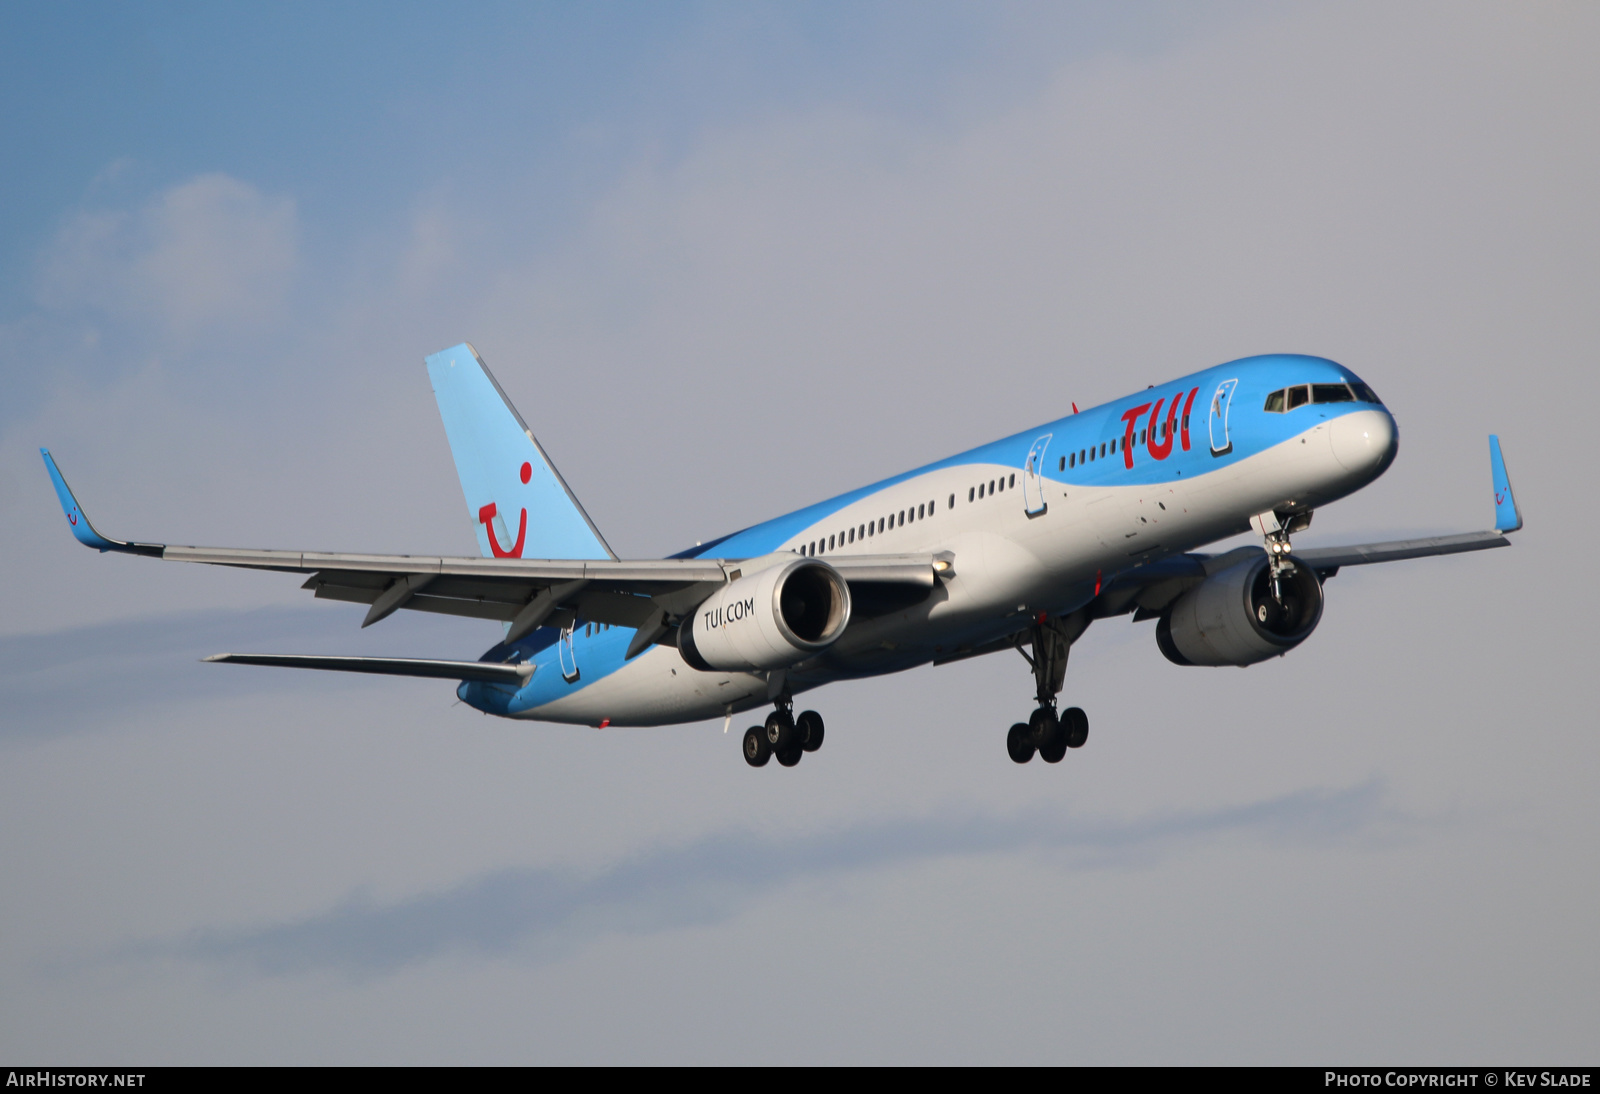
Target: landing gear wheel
(1043,728)
(809,728)
(1018,744)
(791,757)
(756,749)
(1076,724)
(781,733)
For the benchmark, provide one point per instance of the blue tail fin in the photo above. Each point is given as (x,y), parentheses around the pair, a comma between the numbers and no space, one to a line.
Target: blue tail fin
(517,500)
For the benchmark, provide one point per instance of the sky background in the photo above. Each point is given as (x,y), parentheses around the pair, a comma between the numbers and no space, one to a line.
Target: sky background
(728,260)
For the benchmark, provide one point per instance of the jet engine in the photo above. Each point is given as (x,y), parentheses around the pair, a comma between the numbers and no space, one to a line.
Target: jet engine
(1235,617)
(771,619)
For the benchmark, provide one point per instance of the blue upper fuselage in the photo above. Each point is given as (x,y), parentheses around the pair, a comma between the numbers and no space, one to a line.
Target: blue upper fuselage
(1249,429)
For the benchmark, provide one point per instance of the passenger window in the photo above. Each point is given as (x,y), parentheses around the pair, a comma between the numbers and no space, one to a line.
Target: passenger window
(919,512)
(1275,403)
(1074,458)
(991,486)
(1331,393)
(1298,396)
(830,543)
(1063,466)
(852,535)
(972,493)
(952,504)
(1013,481)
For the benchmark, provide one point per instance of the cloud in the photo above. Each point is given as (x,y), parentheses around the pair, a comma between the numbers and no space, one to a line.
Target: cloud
(82,678)
(210,252)
(711,879)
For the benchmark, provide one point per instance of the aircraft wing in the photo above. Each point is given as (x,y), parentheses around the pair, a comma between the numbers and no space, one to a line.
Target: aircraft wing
(1148,590)
(1327,560)
(527,593)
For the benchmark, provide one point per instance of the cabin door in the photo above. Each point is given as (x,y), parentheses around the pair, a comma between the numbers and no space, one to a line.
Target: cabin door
(1033,481)
(1218,418)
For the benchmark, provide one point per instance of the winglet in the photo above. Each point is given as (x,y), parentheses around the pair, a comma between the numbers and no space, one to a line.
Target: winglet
(81,528)
(1507,517)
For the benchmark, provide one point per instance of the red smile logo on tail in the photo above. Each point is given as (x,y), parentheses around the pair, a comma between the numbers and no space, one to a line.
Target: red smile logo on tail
(486,517)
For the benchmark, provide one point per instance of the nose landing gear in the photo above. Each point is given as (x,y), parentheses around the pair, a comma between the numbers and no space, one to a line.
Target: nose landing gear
(1046,732)
(1274,532)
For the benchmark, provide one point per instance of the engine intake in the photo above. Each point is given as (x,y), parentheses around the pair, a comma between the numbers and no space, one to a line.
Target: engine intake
(771,619)
(1232,618)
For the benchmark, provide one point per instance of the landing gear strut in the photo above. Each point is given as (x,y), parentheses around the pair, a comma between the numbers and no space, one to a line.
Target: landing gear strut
(1274,531)
(1046,732)
(784,735)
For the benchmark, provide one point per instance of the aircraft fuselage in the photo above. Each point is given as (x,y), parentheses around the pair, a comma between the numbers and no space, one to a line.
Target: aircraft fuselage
(1040,522)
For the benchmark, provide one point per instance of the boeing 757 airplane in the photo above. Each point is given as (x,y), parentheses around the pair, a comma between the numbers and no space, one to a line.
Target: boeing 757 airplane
(1016,545)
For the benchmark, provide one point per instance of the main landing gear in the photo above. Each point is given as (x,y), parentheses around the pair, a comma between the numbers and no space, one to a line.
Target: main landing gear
(1046,732)
(785,736)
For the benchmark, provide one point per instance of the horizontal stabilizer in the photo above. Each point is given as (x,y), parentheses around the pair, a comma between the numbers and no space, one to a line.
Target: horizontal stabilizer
(483,671)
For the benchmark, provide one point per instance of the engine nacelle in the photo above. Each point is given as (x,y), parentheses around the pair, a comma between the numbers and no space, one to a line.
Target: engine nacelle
(771,619)
(1232,618)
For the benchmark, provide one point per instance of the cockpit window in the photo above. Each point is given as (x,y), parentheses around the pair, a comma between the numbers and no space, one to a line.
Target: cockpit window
(1287,399)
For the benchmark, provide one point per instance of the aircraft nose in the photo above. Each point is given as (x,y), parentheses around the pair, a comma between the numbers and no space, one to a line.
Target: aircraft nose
(1365,442)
